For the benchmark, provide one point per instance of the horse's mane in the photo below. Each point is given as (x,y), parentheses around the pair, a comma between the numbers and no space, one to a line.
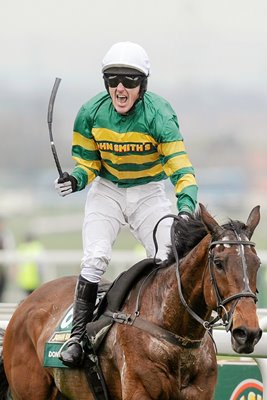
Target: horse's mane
(188,233)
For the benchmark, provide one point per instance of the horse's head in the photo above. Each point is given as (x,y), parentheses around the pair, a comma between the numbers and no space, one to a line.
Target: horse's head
(231,289)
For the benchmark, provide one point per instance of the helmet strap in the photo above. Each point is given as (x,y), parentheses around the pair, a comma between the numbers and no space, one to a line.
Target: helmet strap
(143,88)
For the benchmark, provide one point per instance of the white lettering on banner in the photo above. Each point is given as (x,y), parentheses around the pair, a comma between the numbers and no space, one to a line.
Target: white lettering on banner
(67,319)
(53,354)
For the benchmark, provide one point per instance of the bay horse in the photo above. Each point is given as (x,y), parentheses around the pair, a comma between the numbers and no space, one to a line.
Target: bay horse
(216,270)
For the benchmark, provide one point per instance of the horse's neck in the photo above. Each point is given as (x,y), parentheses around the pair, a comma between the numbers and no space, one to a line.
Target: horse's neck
(192,271)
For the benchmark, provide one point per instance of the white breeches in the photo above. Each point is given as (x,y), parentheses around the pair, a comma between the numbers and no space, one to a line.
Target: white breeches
(108,208)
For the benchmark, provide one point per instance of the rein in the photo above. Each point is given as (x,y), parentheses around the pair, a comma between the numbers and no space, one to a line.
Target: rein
(226,321)
(136,321)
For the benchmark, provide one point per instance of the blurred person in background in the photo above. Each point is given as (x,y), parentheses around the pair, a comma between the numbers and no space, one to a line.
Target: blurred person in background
(29,269)
(7,242)
(126,142)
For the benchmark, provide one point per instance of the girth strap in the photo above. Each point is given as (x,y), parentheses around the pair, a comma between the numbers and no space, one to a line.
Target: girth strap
(95,377)
(153,329)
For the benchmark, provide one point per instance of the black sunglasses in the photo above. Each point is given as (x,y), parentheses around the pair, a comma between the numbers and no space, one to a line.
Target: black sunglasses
(128,81)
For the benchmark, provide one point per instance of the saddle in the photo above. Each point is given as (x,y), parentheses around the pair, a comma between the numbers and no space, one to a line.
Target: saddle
(113,299)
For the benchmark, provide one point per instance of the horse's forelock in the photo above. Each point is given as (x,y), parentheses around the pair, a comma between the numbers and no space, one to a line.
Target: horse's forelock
(235,226)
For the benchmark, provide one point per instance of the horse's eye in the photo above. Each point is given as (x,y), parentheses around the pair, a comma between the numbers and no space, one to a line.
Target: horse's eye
(218,263)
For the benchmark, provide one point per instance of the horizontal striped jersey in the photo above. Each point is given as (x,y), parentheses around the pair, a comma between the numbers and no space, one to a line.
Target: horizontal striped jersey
(143,146)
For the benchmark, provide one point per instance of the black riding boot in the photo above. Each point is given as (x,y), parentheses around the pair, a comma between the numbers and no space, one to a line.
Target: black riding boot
(83,308)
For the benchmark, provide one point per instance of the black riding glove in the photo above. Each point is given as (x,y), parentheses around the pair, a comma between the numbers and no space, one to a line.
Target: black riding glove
(66,184)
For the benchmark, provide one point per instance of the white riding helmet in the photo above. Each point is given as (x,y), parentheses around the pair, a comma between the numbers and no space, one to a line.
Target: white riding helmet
(127,55)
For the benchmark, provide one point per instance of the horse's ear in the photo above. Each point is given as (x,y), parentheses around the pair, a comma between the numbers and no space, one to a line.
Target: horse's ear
(253,220)
(210,223)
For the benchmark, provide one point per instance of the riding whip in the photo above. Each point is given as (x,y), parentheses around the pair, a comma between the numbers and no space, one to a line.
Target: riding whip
(50,120)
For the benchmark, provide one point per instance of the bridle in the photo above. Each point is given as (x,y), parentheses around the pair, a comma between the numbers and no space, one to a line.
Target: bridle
(220,320)
(135,319)
(247,292)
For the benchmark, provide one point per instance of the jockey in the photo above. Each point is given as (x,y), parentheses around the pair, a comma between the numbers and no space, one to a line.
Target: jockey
(126,142)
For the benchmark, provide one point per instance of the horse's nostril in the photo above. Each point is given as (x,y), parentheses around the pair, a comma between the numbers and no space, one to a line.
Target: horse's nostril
(243,335)
(240,335)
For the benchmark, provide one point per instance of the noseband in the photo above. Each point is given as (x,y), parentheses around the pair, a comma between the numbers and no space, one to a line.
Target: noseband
(247,292)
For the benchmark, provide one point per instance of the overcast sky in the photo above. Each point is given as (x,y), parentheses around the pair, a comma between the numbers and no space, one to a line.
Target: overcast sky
(188,41)
(207,55)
